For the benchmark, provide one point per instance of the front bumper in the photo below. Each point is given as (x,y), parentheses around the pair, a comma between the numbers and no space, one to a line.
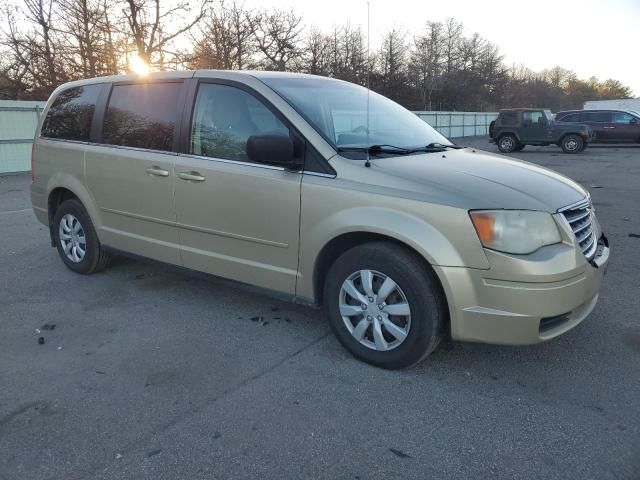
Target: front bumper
(490,310)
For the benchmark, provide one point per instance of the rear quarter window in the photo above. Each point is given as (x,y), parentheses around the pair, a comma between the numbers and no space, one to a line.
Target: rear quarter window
(71,114)
(509,119)
(142,115)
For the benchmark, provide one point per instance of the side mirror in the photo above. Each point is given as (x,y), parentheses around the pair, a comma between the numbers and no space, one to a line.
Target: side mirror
(633,121)
(272,149)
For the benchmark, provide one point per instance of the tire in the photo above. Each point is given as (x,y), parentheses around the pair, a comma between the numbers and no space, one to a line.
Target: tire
(73,228)
(572,143)
(507,143)
(417,287)
(519,148)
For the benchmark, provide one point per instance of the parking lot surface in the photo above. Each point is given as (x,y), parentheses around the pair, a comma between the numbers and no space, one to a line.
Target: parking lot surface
(156,373)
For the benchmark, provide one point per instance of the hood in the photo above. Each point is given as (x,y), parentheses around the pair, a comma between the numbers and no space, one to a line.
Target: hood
(479,180)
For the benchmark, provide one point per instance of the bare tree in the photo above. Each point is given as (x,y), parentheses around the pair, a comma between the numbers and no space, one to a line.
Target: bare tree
(427,61)
(277,34)
(152,27)
(392,65)
(88,45)
(224,40)
(317,48)
(34,49)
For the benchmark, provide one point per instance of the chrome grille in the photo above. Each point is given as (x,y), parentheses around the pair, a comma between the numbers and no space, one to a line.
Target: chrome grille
(581,222)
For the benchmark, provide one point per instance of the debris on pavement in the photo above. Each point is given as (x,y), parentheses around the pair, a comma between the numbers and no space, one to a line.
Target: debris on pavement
(399,453)
(41,340)
(48,326)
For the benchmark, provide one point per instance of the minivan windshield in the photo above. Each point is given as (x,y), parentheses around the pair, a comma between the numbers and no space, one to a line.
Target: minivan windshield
(338,111)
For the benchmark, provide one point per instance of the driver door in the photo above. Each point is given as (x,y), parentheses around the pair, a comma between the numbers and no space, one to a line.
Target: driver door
(535,127)
(237,219)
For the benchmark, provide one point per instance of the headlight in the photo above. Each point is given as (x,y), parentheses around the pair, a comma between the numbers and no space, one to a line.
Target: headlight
(515,231)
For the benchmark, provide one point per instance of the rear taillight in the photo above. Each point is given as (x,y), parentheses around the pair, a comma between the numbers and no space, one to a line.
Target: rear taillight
(33,172)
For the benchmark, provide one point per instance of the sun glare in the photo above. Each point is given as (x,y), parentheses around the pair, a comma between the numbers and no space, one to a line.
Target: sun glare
(138,65)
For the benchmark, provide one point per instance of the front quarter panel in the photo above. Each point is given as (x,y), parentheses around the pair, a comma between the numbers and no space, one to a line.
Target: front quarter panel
(331,207)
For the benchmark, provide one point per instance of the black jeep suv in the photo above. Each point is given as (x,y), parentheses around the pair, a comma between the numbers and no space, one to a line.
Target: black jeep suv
(514,128)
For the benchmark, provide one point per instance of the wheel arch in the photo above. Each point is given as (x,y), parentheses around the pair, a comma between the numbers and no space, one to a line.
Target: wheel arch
(61,188)
(346,241)
(506,132)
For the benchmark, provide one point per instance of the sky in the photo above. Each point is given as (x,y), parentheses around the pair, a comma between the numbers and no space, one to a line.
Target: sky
(592,38)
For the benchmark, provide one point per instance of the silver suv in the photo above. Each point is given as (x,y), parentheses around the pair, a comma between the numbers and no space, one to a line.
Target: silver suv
(313,189)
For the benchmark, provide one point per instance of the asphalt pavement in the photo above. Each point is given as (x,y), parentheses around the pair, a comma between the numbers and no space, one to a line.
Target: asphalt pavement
(147,372)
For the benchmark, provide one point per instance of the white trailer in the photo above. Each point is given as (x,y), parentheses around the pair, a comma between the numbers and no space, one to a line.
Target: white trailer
(632,104)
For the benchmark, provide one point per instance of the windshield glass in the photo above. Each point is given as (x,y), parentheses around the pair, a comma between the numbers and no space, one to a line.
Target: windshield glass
(338,111)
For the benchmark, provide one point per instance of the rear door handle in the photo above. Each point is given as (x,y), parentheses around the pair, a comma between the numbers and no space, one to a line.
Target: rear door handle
(157,171)
(191,176)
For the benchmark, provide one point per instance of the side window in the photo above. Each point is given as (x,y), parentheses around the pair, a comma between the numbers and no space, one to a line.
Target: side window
(224,118)
(533,119)
(142,115)
(71,114)
(572,117)
(597,117)
(509,119)
(621,117)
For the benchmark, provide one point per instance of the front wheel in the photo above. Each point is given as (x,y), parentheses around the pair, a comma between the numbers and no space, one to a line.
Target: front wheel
(384,305)
(572,144)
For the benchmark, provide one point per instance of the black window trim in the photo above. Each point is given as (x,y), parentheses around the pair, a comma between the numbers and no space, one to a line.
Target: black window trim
(93,119)
(97,130)
(322,168)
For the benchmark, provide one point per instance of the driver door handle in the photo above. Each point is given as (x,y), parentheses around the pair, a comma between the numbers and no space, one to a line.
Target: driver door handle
(191,176)
(157,171)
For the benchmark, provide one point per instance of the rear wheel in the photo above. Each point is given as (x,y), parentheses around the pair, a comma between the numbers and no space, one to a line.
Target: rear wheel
(572,143)
(384,305)
(507,143)
(76,239)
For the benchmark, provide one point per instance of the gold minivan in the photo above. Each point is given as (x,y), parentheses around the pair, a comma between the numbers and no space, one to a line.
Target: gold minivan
(320,191)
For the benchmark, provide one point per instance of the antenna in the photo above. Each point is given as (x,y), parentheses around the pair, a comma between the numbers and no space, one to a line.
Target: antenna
(368,163)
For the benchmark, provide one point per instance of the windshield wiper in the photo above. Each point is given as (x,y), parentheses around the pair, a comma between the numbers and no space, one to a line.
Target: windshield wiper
(374,149)
(437,145)
(386,148)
